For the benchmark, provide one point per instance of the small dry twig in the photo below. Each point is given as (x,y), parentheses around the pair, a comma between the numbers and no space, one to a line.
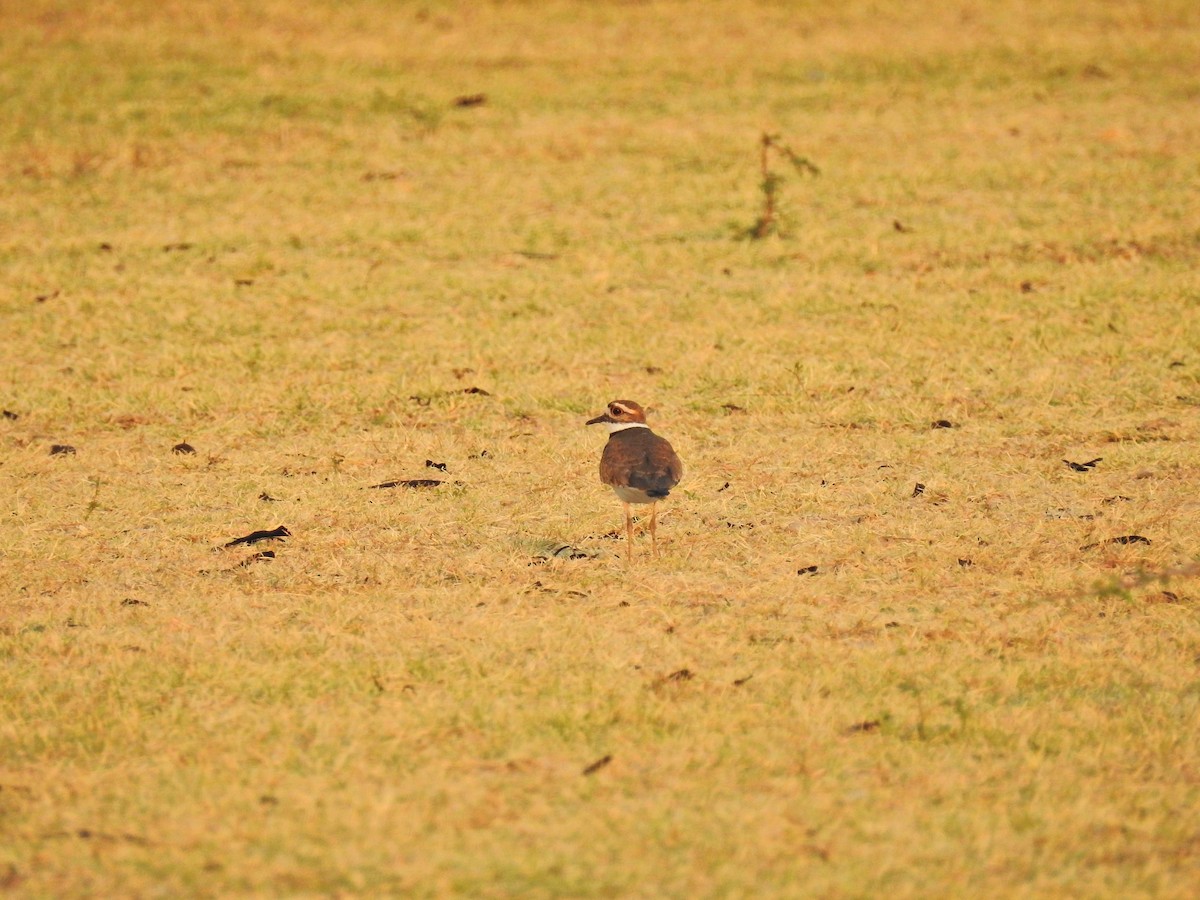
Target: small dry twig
(772,181)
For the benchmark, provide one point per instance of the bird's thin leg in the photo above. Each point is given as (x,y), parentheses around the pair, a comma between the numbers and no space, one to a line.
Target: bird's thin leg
(653,526)
(628,534)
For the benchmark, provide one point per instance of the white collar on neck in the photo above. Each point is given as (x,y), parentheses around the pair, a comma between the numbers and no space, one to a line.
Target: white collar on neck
(614,427)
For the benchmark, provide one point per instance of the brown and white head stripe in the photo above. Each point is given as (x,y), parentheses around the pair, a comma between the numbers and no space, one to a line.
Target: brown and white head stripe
(637,464)
(619,415)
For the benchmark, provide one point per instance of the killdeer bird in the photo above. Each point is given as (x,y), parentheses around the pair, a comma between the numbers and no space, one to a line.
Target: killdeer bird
(637,464)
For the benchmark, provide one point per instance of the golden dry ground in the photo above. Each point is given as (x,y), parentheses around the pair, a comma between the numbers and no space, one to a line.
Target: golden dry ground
(270,231)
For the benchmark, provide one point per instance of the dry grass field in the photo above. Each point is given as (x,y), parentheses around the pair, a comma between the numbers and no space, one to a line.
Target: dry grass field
(324,243)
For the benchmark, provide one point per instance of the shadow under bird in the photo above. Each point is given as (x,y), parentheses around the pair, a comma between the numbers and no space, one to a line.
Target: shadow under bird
(637,464)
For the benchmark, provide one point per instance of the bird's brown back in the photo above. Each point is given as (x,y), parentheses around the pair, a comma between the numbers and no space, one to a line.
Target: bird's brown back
(639,458)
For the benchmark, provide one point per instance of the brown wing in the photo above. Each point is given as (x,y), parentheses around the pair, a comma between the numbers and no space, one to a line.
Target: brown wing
(674,464)
(639,458)
(612,463)
(651,464)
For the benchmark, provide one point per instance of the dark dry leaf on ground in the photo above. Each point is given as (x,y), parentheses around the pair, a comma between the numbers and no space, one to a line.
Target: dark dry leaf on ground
(562,551)
(131,601)
(942,423)
(430,464)
(1083,466)
(681,675)
(413,483)
(477,390)
(88,835)
(1123,539)
(807,570)
(42,298)
(62,450)
(863,727)
(171,248)
(184,449)
(10,415)
(469,100)
(265,554)
(1061,513)
(918,489)
(597,765)
(255,536)
(267,498)
(568,551)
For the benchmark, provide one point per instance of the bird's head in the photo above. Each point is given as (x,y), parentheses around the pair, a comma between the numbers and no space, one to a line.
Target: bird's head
(619,415)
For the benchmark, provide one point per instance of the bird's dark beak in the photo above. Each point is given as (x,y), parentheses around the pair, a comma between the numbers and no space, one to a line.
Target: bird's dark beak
(599,419)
